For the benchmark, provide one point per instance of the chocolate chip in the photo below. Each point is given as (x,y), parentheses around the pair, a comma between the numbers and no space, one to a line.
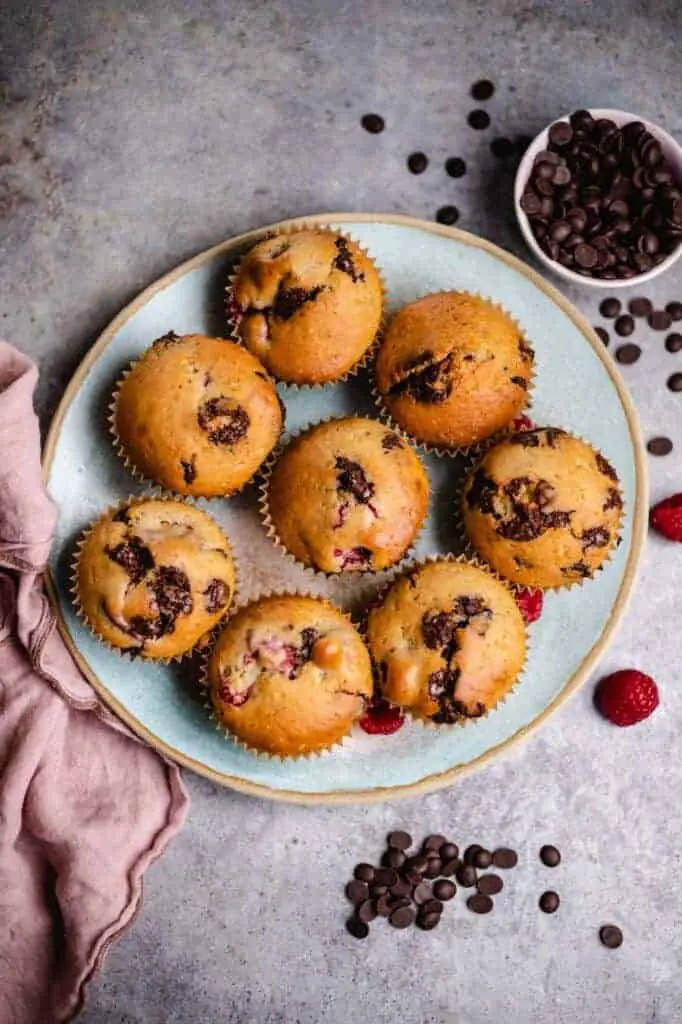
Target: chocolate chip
(469,855)
(674,309)
(602,334)
(660,320)
(482,90)
(624,325)
(235,420)
(364,872)
(560,134)
(628,354)
(373,123)
(505,858)
(418,863)
(427,922)
(659,446)
(358,929)
(433,868)
(478,119)
(450,866)
(386,876)
(434,842)
(357,891)
(343,261)
(189,471)
(480,903)
(550,856)
(422,893)
(502,148)
(447,215)
(417,162)
(483,859)
(383,905)
(673,342)
(640,307)
(288,301)
(402,917)
(444,889)
(610,936)
(610,308)
(399,840)
(366,911)
(133,556)
(549,902)
(466,875)
(217,594)
(403,887)
(490,885)
(675,382)
(393,859)
(456,167)
(448,851)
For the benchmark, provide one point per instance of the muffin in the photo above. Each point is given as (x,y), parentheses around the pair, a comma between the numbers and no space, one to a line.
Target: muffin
(153,577)
(543,508)
(197,415)
(347,495)
(289,675)
(308,304)
(453,369)
(448,642)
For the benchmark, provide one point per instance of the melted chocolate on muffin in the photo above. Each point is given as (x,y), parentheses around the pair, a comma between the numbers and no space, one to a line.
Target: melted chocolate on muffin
(235,420)
(133,556)
(432,384)
(217,594)
(343,261)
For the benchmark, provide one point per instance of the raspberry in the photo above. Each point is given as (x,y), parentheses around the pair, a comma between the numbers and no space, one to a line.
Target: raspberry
(626,697)
(666,517)
(382,718)
(523,422)
(530,601)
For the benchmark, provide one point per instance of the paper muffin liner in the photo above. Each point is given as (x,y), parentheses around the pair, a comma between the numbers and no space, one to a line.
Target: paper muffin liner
(462,559)
(266,518)
(137,654)
(439,450)
(367,357)
(137,473)
(205,685)
(472,552)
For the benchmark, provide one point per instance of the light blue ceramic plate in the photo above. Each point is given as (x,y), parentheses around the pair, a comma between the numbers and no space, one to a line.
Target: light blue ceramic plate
(577,388)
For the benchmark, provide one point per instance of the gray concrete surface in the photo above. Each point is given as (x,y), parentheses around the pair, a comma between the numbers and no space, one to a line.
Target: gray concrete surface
(135,134)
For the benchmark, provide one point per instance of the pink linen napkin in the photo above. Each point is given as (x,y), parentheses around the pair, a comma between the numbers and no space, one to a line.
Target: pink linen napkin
(84,807)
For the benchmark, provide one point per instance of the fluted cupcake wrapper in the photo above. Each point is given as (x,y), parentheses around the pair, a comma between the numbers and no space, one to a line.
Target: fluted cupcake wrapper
(266,517)
(462,559)
(470,550)
(135,654)
(205,684)
(368,355)
(444,451)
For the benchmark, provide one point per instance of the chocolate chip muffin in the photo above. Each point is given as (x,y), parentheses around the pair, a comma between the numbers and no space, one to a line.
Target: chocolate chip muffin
(197,415)
(348,495)
(453,369)
(153,577)
(289,675)
(543,508)
(448,642)
(308,304)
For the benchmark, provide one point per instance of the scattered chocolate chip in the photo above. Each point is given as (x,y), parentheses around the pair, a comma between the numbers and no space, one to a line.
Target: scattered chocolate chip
(455,167)
(675,382)
(478,119)
(490,885)
(386,876)
(366,911)
(444,889)
(391,441)
(502,148)
(448,851)
(550,856)
(659,446)
(482,90)
(428,921)
(673,342)
(560,133)
(434,842)
(393,859)
(373,123)
(549,902)
(466,875)
(483,859)
(133,556)
(402,917)
(189,471)
(417,863)
(235,420)
(288,301)
(505,858)
(399,840)
(433,868)
(417,162)
(602,335)
(383,905)
(660,320)
(610,936)
(357,891)
(479,903)
(217,594)
(610,308)
(469,854)
(640,307)
(364,872)
(628,354)
(447,215)
(358,929)
(674,309)
(624,325)
(422,893)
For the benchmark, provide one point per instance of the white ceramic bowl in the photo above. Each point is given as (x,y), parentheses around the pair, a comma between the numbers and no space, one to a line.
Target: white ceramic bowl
(672,151)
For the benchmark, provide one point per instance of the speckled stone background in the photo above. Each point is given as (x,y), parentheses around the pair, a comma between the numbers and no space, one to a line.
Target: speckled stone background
(133,135)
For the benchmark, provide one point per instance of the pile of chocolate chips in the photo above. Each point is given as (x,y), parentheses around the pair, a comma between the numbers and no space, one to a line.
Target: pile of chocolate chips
(603,200)
(413,888)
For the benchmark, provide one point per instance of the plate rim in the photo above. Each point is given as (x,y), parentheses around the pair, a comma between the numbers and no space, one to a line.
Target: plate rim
(438,780)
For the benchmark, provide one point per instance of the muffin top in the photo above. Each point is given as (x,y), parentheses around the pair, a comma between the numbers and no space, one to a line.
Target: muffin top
(448,641)
(348,495)
(198,415)
(453,369)
(543,508)
(154,576)
(308,304)
(289,675)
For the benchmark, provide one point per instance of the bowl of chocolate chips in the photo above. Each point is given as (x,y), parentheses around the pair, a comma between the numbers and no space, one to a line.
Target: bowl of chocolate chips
(598,198)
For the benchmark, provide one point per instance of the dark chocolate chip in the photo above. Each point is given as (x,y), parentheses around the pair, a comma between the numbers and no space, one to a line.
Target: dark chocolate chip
(628,354)
(560,134)
(550,856)
(417,162)
(450,867)
(366,911)
(399,840)
(482,90)
(402,917)
(490,885)
(448,851)
(455,167)
(640,307)
(422,893)
(417,863)
(673,342)
(433,868)
(602,334)
(505,858)
(189,471)
(660,320)
(675,382)
(393,859)
(133,556)
(364,872)
(444,889)
(479,903)
(427,922)
(469,854)
(466,875)
(357,891)
(674,309)
(659,446)
(217,594)
(610,936)
(478,119)
(434,842)
(358,929)
(373,123)
(386,876)
(483,859)
(624,325)
(383,905)
(549,902)
(610,308)
(447,215)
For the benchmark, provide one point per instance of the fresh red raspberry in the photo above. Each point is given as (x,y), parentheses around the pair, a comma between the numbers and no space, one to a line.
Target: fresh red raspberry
(530,601)
(523,422)
(626,697)
(666,517)
(382,718)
